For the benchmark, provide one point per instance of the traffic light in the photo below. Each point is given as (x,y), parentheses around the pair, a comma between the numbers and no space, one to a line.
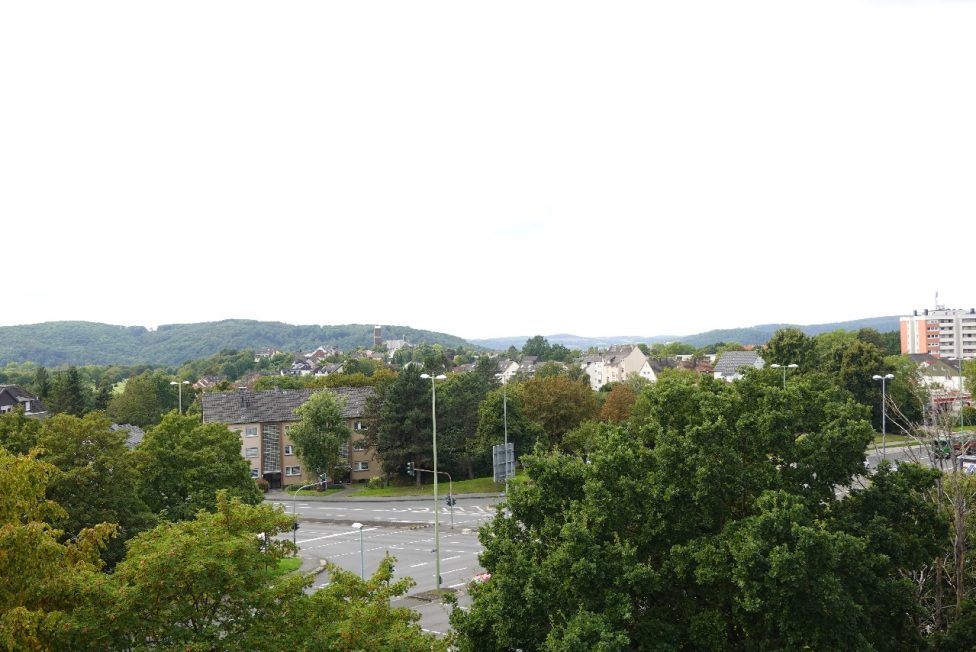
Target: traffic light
(450,500)
(410,468)
(294,526)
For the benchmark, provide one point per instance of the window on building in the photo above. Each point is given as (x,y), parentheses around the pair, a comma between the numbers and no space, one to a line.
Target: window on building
(251,452)
(251,431)
(359,425)
(359,445)
(289,450)
(362,466)
(254,473)
(293,470)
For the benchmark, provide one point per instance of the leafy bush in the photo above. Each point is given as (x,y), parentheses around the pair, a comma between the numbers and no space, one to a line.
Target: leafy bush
(375,483)
(262,484)
(969,415)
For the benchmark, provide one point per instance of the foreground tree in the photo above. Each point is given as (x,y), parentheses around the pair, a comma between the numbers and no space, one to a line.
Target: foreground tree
(199,584)
(97,480)
(182,464)
(41,580)
(320,431)
(711,521)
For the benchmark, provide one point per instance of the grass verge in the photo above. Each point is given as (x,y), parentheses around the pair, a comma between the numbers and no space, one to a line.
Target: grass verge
(477,486)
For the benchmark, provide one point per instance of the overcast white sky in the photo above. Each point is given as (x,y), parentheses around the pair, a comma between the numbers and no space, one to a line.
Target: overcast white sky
(489,169)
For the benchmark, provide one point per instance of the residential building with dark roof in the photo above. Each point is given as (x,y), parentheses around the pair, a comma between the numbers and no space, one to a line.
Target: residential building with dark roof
(263,420)
(12,396)
(730,365)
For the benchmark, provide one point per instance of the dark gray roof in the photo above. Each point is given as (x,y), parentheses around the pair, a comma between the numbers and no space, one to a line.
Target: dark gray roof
(20,395)
(731,361)
(244,406)
(136,434)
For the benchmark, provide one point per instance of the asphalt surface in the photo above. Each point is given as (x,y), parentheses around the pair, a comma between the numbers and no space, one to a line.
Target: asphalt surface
(414,549)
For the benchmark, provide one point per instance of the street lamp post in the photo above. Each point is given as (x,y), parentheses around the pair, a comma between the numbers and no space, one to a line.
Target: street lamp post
(180,387)
(884,414)
(784,367)
(433,423)
(505,422)
(362,551)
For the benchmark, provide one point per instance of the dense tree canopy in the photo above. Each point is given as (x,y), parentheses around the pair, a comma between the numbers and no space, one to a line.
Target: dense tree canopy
(145,399)
(557,404)
(402,410)
(183,463)
(41,579)
(709,521)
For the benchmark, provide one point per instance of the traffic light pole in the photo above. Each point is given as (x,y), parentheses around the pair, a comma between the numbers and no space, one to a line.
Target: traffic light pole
(450,490)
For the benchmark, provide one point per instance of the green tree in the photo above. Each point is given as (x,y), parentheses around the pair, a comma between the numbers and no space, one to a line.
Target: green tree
(558,404)
(97,481)
(144,400)
(67,395)
(183,463)
(320,431)
(492,411)
(203,584)
(710,521)
(42,384)
(353,614)
(19,433)
(41,579)
(860,362)
(402,411)
(790,346)
(459,447)
(537,346)
(200,584)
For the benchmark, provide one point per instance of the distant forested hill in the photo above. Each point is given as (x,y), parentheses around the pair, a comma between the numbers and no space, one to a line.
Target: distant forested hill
(752,335)
(53,344)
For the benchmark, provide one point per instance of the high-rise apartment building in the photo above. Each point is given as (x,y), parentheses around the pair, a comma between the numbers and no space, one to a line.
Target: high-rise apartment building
(943,332)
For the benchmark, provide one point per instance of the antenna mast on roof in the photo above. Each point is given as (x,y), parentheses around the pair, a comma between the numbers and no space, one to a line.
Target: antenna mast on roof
(937,306)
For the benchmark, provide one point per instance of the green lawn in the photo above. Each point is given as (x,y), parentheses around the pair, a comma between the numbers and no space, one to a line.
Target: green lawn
(476,486)
(894,440)
(285,566)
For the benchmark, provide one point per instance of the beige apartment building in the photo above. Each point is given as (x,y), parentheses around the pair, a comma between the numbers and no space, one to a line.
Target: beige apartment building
(263,419)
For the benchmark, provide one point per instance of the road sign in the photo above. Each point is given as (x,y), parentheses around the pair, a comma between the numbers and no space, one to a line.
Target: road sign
(503,460)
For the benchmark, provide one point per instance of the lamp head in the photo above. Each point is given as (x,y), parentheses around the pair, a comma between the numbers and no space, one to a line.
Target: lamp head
(793,366)
(774,366)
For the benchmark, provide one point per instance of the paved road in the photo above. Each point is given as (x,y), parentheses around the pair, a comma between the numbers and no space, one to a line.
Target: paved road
(468,513)
(413,547)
